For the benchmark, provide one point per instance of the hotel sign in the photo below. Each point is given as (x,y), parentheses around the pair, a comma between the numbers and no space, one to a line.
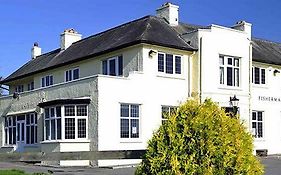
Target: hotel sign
(270,99)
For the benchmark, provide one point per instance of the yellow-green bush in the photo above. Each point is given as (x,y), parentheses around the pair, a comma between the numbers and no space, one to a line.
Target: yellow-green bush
(200,139)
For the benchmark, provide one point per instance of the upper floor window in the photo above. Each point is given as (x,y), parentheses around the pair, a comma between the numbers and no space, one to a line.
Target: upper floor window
(258,75)
(113,66)
(168,63)
(229,70)
(19,88)
(47,81)
(129,120)
(72,74)
(30,86)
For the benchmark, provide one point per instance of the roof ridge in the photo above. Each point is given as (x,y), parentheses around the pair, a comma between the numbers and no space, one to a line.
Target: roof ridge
(266,40)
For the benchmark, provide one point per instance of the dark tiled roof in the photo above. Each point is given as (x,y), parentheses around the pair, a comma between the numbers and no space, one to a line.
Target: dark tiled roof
(266,51)
(149,29)
(183,28)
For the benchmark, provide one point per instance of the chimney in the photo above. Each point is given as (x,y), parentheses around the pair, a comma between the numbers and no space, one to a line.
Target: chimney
(35,50)
(244,26)
(170,12)
(68,37)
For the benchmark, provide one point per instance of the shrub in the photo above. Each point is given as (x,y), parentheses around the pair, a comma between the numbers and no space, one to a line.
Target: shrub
(200,139)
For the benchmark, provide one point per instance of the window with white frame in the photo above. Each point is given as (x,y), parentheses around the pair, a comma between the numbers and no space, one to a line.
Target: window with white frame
(21,128)
(169,63)
(19,88)
(72,74)
(258,75)
(257,123)
(30,86)
(166,111)
(74,126)
(47,81)
(129,120)
(113,66)
(229,70)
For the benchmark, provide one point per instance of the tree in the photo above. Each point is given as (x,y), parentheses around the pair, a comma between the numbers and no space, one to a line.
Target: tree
(200,139)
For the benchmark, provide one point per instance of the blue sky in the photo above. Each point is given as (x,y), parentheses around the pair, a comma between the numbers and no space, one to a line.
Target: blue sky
(25,21)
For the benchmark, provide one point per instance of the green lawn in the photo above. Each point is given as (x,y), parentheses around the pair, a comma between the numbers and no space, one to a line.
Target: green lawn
(18,172)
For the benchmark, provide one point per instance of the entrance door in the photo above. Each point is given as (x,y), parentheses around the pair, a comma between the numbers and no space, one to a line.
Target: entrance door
(20,135)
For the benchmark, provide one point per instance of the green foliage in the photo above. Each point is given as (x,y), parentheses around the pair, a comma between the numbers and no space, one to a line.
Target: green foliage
(200,139)
(12,172)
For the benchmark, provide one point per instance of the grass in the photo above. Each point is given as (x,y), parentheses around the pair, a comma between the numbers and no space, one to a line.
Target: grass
(18,172)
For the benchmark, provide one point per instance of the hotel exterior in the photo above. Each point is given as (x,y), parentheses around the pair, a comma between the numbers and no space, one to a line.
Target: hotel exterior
(108,91)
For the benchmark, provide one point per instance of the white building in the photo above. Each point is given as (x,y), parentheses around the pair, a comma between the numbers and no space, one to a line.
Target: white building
(108,91)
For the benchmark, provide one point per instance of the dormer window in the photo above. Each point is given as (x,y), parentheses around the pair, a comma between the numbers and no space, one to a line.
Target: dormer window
(113,66)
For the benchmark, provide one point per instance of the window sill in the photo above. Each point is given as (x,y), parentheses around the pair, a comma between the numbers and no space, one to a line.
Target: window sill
(259,139)
(230,88)
(8,146)
(259,86)
(173,76)
(65,141)
(131,140)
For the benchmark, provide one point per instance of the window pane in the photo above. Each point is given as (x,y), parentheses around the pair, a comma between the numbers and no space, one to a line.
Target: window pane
(69,128)
(221,75)
(51,80)
(169,64)
(10,136)
(178,64)
(165,112)
(27,134)
(18,131)
(221,60)
(14,135)
(124,130)
(43,82)
(236,62)
(58,128)
(14,120)
(22,131)
(262,76)
(135,111)
(236,77)
(31,118)
(32,135)
(6,136)
(104,67)
(257,75)
(47,130)
(229,61)
(82,110)
(81,128)
(75,74)
(35,135)
(112,67)
(47,80)
(53,130)
(58,111)
(69,111)
(52,112)
(124,110)
(260,133)
(120,65)
(259,116)
(229,76)
(66,76)
(134,128)
(160,62)
(47,115)
(254,117)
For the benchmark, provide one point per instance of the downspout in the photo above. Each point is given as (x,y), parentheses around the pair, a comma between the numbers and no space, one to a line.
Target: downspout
(189,73)
(250,82)
(200,70)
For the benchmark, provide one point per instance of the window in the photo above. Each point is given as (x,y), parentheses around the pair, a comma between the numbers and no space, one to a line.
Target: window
(21,128)
(30,86)
(75,122)
(47,81)
(167,111)
(258,75)
(229,70)
(169,64)
(113,66)
(72,74)
(257,124)
(19,88)
(129,121)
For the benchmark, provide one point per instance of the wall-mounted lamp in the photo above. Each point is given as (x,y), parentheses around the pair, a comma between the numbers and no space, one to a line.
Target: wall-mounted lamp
(151,53)
(276,71)
(234,103)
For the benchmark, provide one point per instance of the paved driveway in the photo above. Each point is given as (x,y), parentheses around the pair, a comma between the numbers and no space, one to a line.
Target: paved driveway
(272,167)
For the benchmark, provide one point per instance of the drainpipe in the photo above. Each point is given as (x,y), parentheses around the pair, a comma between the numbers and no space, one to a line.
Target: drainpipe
(200,71)
(189,73)
(250,82)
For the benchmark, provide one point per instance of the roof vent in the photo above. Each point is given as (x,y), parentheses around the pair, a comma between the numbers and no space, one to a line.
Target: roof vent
(68,37)
(35,50)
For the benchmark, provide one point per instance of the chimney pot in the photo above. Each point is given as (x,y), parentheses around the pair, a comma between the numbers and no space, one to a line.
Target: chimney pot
(68,37)
(35,50)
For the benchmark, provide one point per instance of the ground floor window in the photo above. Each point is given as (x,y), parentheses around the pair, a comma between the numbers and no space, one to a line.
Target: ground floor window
(257,123)
(167,111)
(21,128)
(66,122)
(129,120)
